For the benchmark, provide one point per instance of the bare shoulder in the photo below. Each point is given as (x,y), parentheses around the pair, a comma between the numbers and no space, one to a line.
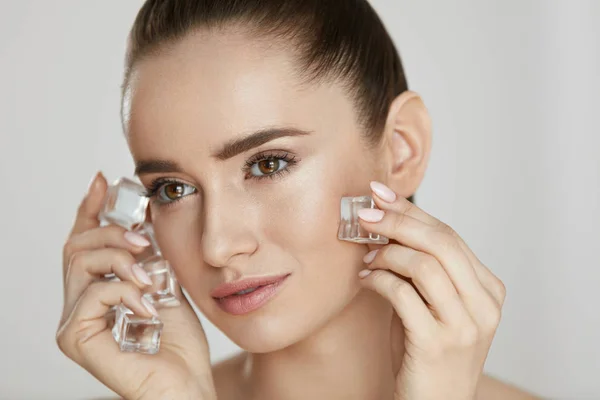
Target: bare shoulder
(491,388)
(227,372)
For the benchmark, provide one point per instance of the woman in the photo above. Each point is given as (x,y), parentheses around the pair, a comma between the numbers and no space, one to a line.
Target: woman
(248,120)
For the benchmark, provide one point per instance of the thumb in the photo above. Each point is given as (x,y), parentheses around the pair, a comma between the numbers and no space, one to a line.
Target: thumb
(91,205)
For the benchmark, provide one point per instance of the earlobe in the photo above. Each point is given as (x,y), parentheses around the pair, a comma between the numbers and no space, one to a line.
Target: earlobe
(408,138)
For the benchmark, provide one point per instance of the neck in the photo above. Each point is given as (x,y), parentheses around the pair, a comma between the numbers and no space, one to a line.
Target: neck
(352,357)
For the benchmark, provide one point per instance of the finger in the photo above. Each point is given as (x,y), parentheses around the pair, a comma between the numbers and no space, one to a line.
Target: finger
(111,236)
(85,333)
(87,214)
(428,276)
(490,282)
(87,267)
(443,246)
(386,199)
(100,297)
(86,336)
(415,315)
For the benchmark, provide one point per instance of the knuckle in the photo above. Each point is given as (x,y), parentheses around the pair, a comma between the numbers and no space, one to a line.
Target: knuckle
(76,263)
(77,259)
(408,207)
(401,289)
(491,320)
(447,229)
(385,255)
(119,259)
(68,249)
(63,340)
(446,242)
(99,290)
(123,257)
(378,278)
(399,219)
(500,289)
(425,267)
(60,340)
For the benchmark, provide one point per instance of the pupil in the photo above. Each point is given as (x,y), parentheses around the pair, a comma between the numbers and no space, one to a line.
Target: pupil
(268,166)
(174,191)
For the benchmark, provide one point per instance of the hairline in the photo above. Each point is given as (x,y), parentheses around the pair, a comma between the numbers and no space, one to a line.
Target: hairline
(310,76)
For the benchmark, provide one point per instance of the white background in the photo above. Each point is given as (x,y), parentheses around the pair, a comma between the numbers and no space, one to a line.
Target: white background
(513,87)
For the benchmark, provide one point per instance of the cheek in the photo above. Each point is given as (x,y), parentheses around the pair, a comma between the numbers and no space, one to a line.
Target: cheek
(179,237)
(304,221)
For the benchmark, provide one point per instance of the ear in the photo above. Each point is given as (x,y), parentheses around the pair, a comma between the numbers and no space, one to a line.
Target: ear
(407,143)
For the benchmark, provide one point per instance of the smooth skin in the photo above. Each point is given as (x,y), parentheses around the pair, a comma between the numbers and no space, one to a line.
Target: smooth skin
(84,333)
(419,326)
(451,307)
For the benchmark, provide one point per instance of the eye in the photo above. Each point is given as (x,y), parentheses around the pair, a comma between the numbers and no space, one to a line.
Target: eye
(268,166)
(171,192)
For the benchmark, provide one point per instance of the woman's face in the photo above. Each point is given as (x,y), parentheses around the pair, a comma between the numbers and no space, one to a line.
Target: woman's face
(227,208)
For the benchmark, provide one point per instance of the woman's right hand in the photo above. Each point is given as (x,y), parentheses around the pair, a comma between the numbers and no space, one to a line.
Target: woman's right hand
(180,370)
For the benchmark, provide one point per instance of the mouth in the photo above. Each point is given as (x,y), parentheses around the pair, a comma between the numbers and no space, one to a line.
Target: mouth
(247,295)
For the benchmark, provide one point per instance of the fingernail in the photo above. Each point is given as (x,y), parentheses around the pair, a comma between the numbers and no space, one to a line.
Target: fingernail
(364,273)
(385,193)
(94,180)
(141,275)
(136,239)
(149,307)
(370,214)
(369,257)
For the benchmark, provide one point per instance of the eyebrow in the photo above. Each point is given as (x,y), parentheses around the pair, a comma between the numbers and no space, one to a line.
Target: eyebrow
(242,145)
(229,150)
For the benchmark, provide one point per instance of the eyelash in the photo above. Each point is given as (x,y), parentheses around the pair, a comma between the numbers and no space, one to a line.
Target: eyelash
(157,184)
(272,155)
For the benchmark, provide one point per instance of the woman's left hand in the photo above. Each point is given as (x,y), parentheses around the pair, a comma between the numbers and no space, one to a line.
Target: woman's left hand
(451,309)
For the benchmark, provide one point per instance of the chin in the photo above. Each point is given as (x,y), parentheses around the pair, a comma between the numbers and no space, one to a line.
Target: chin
(275,328)
(263,331)
(265,336)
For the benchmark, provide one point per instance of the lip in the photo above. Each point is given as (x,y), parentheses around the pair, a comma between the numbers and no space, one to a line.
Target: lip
(265,289)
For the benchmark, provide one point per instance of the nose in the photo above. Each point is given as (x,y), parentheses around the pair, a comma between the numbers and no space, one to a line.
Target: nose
(228,235)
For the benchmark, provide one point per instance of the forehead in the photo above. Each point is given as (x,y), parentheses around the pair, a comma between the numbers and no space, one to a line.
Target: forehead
(211,86)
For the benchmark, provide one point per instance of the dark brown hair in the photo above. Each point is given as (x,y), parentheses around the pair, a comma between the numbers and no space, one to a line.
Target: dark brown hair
(342,40)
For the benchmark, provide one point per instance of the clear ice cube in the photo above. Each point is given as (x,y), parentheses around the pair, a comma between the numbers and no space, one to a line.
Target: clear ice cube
(136,334)
(124,204)
(163,291)
(350,230)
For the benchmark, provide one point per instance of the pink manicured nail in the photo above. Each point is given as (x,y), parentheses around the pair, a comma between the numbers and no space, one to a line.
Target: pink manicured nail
(92,182)
(149,307)
(370,214)
(136,240)
(369,257)
(385,193)
(141,275)
(364,273)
